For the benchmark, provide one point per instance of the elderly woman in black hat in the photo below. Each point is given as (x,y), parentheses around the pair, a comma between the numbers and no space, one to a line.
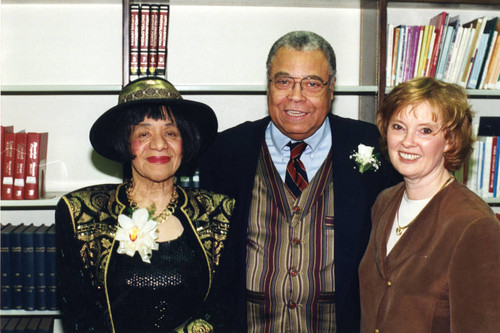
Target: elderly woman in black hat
(143,256)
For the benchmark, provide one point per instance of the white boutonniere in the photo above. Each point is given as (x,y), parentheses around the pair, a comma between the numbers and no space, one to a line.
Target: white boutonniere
(137,234)
(365,158)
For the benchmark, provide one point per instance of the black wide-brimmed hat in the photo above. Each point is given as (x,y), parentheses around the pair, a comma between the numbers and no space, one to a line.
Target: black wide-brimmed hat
(158,91)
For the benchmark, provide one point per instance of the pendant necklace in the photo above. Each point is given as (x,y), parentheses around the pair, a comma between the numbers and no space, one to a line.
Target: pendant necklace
(399,228)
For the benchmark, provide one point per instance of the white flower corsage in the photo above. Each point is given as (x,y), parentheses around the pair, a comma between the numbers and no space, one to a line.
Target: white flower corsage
(365,159)
(137,234)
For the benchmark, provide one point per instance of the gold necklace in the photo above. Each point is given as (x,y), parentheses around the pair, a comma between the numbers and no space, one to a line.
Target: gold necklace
(399,228)
(162,217)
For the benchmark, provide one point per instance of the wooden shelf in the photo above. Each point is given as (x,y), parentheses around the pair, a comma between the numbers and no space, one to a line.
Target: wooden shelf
(481,93)
(492,201)
(29,313)
(49,201)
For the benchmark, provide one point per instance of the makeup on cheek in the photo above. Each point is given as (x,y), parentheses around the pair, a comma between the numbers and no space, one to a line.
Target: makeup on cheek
(134,145)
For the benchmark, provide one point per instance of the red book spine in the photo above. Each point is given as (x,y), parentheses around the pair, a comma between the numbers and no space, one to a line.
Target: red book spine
(8,160)
(3,130)
(153,39)
(143,51)
(438,21)
(493,165)
(35,165)
(134,39)
(19,166)
(162,40)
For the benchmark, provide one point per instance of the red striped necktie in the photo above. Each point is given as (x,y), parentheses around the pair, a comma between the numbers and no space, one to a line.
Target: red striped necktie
(296,176)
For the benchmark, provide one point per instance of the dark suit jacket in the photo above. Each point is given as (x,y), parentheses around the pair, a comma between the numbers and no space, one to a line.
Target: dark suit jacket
(229,167)
(444,272)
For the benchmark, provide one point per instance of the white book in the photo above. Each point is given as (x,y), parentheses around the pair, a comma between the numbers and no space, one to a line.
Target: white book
(486,165)
(474,45)
(478,62)
(452,57)
(488,60)
(472,170)
(390,50)
(401,54)
(460,60)
(443,56)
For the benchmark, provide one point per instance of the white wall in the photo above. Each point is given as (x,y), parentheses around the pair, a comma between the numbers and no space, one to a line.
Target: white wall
(81,44)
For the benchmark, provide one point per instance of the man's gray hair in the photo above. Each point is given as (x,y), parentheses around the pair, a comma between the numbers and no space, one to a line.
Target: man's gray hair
(304,41)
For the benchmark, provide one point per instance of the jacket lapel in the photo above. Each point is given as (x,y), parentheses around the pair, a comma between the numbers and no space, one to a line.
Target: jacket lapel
(383,230)
(416,236)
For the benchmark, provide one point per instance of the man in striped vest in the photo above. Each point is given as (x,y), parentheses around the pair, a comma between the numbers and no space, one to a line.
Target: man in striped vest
(302,216)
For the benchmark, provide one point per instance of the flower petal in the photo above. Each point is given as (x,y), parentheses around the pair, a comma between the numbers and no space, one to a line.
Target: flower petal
(125,221)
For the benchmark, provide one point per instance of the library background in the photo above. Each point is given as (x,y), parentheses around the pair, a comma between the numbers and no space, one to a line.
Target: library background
(67,62)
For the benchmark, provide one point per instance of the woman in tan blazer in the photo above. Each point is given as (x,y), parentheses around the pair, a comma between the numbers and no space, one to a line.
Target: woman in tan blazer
(433,260)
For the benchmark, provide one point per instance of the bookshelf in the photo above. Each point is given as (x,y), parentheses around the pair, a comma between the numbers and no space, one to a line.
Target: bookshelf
(82,91)
(421,11)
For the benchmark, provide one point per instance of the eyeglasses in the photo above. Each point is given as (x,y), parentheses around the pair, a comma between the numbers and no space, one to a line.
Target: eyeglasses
(311,86)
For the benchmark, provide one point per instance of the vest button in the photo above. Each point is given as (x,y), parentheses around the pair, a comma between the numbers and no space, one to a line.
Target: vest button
(296,241)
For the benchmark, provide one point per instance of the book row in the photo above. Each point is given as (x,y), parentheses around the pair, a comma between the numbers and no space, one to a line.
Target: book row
(23,164)
(466,54)
(148,39)
(28,263)
(26,324)
(480,174)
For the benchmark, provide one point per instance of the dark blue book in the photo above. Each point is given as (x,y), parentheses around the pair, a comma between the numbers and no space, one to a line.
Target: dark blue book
(16,267)
(40,280)
(22,325)
(50,268)
(46,325)
(6,295)
(33,325)
(28,272)
(11,325)
(3,322)
(489,126)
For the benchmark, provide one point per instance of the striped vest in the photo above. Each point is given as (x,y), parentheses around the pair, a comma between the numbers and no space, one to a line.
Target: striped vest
(290,253)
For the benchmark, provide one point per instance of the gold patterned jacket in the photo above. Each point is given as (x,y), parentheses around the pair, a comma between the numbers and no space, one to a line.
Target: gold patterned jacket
(86,222)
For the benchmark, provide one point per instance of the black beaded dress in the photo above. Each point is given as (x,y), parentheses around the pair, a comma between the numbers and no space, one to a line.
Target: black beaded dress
(103,291)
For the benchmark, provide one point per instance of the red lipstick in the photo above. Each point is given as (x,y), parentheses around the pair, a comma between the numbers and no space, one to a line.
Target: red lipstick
(158,159)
